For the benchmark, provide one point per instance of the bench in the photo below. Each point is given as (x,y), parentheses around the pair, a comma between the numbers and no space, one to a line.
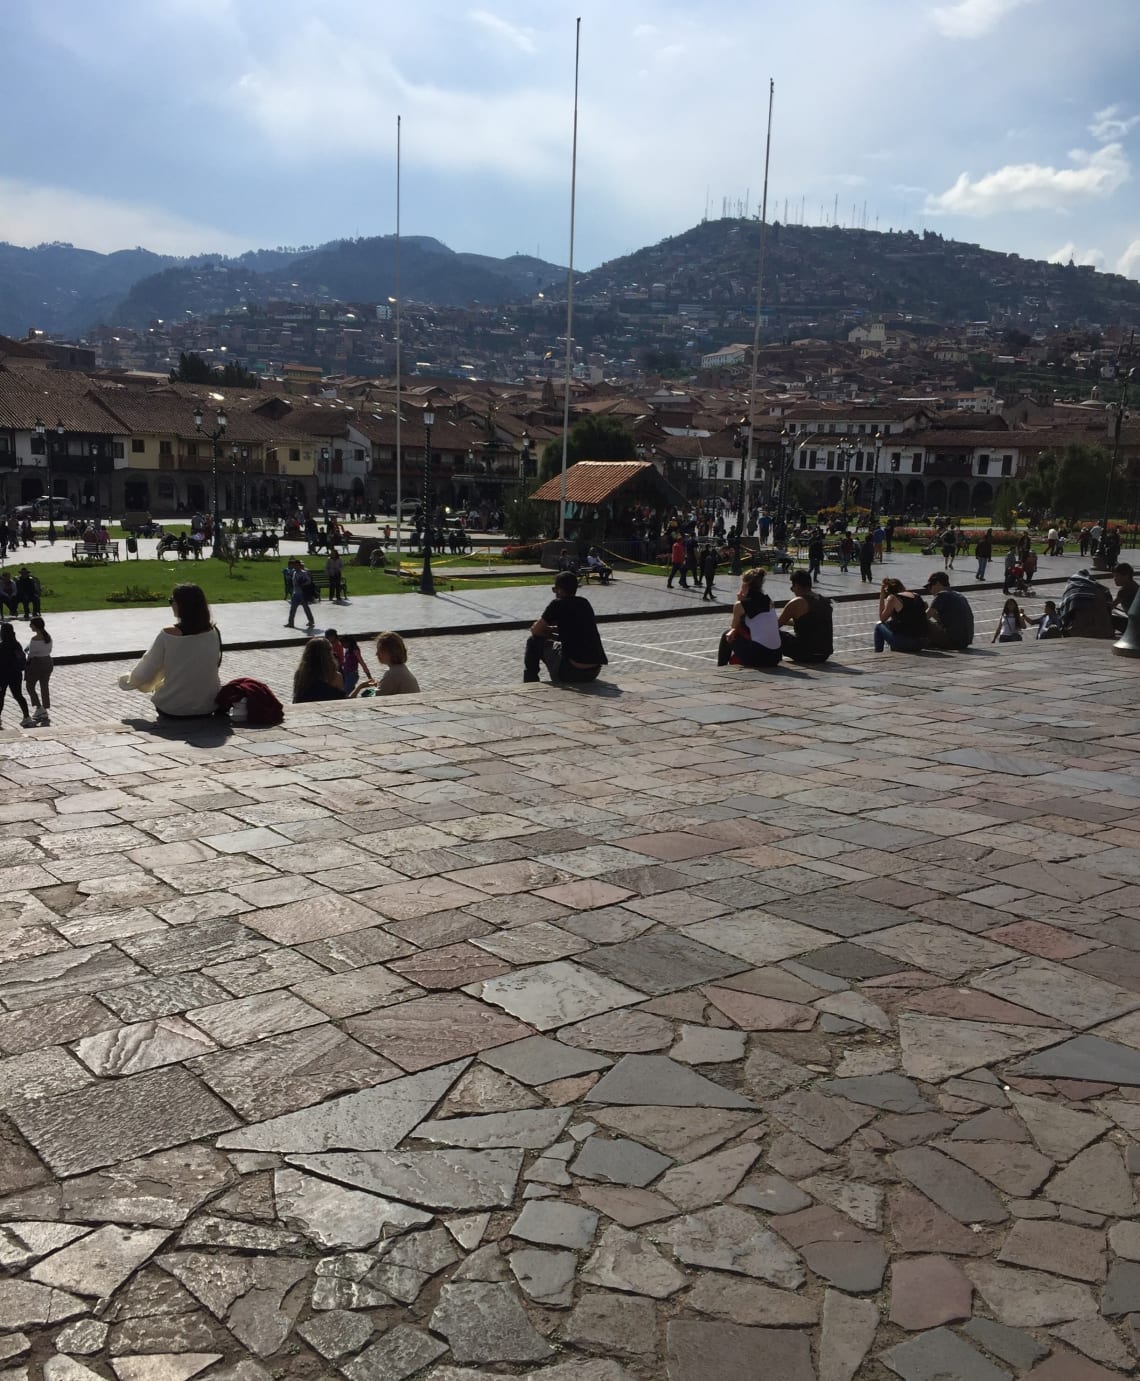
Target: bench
(95,551)
(586,574)
(320,585)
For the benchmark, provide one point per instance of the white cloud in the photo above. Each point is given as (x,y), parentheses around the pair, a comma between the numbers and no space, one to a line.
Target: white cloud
(1129,262)
(32,214)
(510,34)
(1110,124)
(1086,258)
(1036,186)
(973,18)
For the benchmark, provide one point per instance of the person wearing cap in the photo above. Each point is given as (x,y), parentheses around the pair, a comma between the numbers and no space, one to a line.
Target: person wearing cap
(566,637)
(949,617)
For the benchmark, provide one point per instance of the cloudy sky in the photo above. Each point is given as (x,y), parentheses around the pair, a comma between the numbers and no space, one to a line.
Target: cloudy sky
(221,125)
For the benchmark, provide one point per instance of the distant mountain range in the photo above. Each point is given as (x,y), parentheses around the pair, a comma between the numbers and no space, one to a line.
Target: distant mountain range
(824,271)
(65,290)
(811,271)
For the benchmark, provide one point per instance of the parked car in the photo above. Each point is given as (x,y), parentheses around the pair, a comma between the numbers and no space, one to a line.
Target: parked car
(59,507)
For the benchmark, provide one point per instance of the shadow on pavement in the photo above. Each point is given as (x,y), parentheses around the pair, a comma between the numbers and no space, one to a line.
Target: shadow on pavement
(208,732)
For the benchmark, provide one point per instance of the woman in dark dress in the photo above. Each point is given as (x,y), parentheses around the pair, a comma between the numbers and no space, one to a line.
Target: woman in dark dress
(317,676)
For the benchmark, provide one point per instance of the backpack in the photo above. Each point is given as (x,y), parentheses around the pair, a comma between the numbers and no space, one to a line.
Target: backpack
(261,705)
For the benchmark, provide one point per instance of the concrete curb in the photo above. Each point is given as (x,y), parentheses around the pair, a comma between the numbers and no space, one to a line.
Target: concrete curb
(686,610)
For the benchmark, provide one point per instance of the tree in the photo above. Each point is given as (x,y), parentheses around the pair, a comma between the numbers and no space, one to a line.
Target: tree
(1068,482)
(193,369)
(1004,504)
(523,519)
(591,438)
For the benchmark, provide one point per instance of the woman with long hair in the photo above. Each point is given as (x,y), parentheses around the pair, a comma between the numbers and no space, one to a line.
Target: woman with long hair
(38,669)
(753,639)
(12,662)
(317,676)
(180,670)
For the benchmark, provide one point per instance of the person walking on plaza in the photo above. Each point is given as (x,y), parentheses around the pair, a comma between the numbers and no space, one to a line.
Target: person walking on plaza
(866,559)
(815,553)
(949,548)
(984,551)
(566,637)
(811,637)
(846,552)
(12,663)
(902,619)
(301,590)
(710,559)
(9,596)
(878,536)
(677,556)
(38,669)
(692,559)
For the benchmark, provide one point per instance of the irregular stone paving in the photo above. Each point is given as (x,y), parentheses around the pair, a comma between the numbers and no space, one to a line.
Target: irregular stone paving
(712,1025)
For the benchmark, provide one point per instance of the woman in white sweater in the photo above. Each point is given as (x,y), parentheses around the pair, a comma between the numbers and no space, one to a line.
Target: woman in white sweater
(181,667)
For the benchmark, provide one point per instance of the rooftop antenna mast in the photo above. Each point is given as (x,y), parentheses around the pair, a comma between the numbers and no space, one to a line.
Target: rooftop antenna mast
(399,406)
(746,456)
(570,292)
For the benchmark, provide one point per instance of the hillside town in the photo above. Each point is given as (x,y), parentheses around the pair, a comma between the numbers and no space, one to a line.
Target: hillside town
(828,421)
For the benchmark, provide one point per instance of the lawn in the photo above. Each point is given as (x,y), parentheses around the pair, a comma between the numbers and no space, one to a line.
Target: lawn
(90,586)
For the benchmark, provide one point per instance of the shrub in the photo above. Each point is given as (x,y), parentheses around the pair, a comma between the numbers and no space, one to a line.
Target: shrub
(529,551)
(136,594)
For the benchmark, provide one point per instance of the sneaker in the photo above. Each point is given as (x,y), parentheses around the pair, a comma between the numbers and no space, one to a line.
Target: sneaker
(530,676)
(290,625)
(41,716)
(27,722)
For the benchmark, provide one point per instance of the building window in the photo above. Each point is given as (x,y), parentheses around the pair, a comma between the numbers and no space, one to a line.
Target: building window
(294,455)
(192,450)
(896,460)
(728,464)
(1007,465)
(165,448)
(831,460)
(983,465)
(38,447)
(117,450)
(887,429)
(138,445)
(358,455)
(916,464)
(831,428)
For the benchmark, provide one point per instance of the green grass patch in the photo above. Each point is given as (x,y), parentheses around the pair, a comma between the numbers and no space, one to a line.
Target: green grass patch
(98,585)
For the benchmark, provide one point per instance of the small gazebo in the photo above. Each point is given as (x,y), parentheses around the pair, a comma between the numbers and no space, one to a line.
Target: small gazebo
(603,497)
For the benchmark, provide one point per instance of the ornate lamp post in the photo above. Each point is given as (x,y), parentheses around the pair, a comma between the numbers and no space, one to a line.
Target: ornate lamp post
(215,438)
(845,459)
(744,445)
(41,432)
(427,581)
(1120,409)
(875,479)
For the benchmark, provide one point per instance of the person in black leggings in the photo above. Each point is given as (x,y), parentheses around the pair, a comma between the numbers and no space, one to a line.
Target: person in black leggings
(12,661)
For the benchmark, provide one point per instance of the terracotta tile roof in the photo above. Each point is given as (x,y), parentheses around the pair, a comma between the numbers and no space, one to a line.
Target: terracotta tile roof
(592,481)
(21,402)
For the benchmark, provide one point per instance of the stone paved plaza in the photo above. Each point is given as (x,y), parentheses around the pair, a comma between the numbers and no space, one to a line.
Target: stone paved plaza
(698,1025)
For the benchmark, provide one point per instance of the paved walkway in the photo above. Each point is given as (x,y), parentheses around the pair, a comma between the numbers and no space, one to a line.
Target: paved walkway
(677,1028)
(128,632)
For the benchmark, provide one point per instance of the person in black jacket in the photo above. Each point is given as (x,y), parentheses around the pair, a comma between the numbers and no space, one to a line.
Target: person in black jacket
(566,637)
(12,663)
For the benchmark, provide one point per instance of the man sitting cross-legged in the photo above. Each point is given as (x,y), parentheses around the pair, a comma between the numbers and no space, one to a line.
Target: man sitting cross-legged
(566,637)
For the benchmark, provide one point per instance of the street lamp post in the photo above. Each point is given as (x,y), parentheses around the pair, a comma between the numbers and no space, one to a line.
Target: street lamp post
(215,438)
(95,449)
(1120,409)
(427,582)
(875,479)
(845,460)
(524,458)
(744,443)
(327,451)
(41,432)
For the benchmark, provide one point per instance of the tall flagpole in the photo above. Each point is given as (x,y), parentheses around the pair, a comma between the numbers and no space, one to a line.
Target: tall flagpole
(399,489)
(570,292)
(755,333)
